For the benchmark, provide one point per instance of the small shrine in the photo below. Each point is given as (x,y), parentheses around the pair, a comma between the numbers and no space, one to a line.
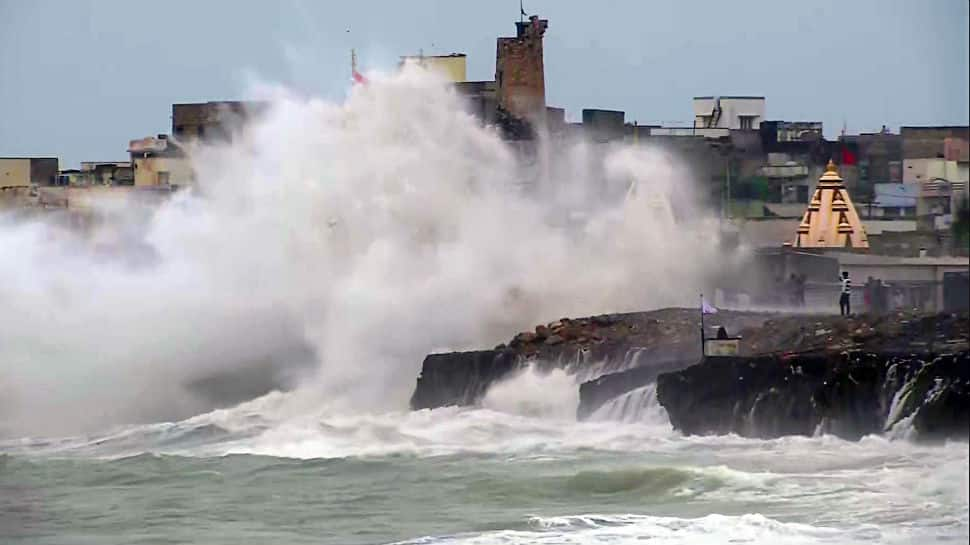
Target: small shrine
(831,220)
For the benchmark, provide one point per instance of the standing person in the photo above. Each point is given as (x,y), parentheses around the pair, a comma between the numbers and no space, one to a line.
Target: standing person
(801,290)
(793,290)
(867,293)
(845,307)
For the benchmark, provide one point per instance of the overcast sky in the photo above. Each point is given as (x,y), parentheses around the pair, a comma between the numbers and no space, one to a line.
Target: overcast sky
(79,78)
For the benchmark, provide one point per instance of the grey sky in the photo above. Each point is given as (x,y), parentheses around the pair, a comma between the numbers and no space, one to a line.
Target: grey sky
(79,78)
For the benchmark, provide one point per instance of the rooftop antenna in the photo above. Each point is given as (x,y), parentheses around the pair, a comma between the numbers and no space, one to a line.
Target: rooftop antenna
(522,13)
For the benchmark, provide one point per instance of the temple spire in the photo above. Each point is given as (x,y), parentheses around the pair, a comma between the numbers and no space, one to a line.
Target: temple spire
(831,220)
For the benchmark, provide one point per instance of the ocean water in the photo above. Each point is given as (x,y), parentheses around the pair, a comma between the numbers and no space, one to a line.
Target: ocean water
(503,475)
(363,234)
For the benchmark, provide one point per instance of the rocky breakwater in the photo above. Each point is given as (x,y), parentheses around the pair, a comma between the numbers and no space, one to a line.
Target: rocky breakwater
(589,347)
(845,377)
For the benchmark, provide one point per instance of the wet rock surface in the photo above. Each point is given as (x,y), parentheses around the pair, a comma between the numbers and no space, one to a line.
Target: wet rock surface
(911,379)
(460,378)
(794,375)
(664,339)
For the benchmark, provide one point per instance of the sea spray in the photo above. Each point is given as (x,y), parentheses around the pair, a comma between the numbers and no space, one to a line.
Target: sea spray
(636,406)
(531,392)
(362,234)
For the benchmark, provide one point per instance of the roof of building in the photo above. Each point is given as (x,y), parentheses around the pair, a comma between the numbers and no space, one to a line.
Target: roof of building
(423,56)
(846,258)
(735,97)
(944,127)
(896,195)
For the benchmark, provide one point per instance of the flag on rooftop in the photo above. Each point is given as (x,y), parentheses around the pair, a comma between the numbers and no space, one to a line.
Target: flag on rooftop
(357,76)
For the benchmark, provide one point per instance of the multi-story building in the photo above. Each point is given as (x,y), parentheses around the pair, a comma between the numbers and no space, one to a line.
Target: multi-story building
(107,173)
(28,171)
(729,112)
(212,120)
(158,162)
(453,66)
(936,159)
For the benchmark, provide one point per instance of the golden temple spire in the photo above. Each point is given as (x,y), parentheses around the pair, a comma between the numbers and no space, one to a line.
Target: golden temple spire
(831,220)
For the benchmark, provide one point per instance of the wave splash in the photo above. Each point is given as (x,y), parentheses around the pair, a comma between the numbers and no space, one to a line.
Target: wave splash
(638,405)
(358,235)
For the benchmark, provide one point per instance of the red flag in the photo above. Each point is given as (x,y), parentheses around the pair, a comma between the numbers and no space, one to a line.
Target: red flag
(848,158)
(358,77)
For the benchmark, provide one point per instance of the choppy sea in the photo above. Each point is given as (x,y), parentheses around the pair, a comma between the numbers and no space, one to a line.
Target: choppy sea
(473,476)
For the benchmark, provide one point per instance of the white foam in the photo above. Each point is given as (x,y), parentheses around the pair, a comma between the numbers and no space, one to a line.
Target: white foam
(636,406)
(530,392)
(637,529)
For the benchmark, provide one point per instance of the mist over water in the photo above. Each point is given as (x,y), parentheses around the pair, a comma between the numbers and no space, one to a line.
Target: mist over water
(337,244)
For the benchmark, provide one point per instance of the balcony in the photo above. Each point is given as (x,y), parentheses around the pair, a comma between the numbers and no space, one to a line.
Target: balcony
(788,170)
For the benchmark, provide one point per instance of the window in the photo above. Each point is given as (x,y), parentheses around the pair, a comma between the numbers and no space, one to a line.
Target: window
(746,122)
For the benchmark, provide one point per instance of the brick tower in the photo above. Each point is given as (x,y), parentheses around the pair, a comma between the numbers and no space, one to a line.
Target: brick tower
(519,74)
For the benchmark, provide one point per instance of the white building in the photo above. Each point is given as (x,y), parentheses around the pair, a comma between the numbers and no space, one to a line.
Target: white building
(729,112)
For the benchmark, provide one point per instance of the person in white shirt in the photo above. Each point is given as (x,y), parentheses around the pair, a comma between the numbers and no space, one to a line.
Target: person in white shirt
(845,307)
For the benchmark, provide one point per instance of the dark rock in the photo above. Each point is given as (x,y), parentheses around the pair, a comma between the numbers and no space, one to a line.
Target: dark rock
(754,397)
(553,340)
(795,374)
(459,378)
(940,397)
(603,320)
(594,393)
(848,395)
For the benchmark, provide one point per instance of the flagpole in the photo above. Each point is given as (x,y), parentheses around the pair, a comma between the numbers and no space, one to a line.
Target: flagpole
(703,348)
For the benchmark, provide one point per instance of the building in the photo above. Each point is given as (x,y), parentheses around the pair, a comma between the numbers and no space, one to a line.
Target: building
(729,112)
(69,177)
(481,98)
(212,120)
(95,173)
(879,156)
(520,73)
(604,125)
(929,142)
(893,200)
(790,178)
(687,131)
(157,161)
(831,220)
(798,131)
(28,171)
(452,66)
(914,282)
